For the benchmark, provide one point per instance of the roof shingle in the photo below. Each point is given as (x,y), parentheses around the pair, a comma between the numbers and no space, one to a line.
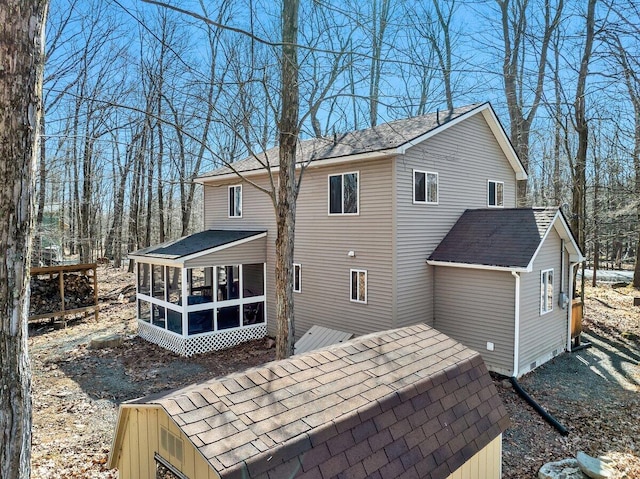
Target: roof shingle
(379,138)
(411,400)
(506,238)
(195,243)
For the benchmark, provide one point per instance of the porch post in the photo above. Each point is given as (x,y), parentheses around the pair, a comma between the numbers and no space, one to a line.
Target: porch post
(185,302)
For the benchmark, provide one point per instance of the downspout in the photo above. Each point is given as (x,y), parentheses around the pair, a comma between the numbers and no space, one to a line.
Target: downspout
(516,339)
(539,409)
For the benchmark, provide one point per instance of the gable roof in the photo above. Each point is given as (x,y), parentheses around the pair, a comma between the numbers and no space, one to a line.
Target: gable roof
(385,140)
(202,242)
(410,399)
(506,239)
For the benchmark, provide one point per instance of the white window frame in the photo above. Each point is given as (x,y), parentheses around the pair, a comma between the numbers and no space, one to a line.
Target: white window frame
(489,205)
(426,188)
(366,286)
(234,187)
(297,268)
(546,302)
(342,213)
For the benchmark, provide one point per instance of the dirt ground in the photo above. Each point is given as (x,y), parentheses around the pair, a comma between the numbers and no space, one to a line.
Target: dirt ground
(76,390)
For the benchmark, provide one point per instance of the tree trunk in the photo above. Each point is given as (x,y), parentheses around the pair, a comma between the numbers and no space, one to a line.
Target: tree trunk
(22,59)
(578,200)
(515,31)
(42,187)
(287,190)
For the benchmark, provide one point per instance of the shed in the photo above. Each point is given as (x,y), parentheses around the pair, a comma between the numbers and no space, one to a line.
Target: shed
(409,402)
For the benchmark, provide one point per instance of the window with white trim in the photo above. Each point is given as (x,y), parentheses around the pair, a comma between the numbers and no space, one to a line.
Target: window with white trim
(235,201)
(297,278)
(344,194)
(359,285)
(495,194)
(546,291)
(425,187)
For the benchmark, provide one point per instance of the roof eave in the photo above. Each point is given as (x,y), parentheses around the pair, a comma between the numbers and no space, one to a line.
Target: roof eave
(372,155)
(174,260)
(575,255)
(452,264)
(503,140)
(402,149)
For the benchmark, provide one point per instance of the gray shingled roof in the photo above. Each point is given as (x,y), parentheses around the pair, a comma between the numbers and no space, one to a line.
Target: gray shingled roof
(194,243)
(410,400)
(382,137)
(495,237)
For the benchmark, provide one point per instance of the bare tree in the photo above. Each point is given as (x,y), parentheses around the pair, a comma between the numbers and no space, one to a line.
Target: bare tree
(433,23)
(516,29)
(629,66)
(21,57)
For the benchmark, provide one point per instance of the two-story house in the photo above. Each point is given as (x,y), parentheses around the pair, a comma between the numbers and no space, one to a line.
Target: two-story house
(412,221)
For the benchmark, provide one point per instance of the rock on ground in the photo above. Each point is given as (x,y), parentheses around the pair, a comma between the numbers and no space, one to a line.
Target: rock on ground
(565,469)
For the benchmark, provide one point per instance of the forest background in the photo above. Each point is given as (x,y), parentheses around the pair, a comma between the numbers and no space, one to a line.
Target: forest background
(140,99)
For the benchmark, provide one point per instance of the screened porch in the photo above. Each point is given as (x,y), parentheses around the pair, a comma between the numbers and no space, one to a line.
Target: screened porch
(203,292)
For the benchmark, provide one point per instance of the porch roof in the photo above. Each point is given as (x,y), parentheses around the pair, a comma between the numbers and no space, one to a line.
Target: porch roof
(197,244)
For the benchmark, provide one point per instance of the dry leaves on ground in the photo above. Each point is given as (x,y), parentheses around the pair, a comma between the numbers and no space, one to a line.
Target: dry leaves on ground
(76,391)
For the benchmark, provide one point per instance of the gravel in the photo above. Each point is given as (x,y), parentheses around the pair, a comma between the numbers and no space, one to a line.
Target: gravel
(76,390)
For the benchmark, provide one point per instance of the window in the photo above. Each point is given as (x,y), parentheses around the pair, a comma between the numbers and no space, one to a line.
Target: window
(496,194)
(546,291)
(425,187)
(297,278)
(344,194)
(235,201)
(359,285)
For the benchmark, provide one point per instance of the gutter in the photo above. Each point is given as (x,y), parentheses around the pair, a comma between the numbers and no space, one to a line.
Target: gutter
(516,339)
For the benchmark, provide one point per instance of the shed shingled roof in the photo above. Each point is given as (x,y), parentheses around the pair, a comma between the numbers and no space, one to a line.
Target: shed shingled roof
(409,400)
(195,243)
(378,138)
(495,237)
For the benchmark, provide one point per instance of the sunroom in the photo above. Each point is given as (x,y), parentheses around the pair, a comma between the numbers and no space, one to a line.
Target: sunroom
(221,274)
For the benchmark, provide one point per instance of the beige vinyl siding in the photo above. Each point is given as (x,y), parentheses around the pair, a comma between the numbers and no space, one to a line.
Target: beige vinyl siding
(322,244)
(485,464)
(141,440)
(475,307)
(465,156)
(542,335)
(254,251)
(257,214)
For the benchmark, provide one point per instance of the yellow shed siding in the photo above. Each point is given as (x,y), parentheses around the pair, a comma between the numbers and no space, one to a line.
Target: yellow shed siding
(140,441)
(486,464)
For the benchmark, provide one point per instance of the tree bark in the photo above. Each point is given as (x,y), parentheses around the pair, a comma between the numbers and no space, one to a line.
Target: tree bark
(287,189)
(21,62)
(578,199)
(515,31)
